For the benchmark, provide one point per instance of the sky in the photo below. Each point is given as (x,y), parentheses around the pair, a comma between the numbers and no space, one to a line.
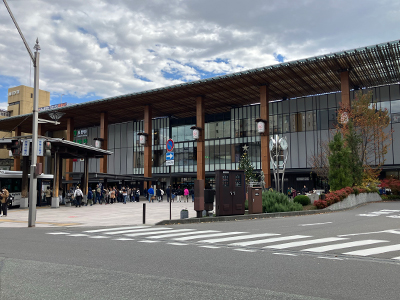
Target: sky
(94,49)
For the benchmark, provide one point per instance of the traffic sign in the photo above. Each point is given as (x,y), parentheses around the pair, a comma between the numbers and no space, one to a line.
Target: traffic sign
(170,156)
(169,162)
(170,145)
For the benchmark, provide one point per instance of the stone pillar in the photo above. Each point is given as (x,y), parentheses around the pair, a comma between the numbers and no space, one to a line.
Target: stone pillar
(70,137)
(148,145)
(104,136)
(55,202)
(201,150)
(345,86)
(17,160)
(264,115)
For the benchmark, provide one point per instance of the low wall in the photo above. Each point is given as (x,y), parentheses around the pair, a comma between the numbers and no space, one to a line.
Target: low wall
(353,200)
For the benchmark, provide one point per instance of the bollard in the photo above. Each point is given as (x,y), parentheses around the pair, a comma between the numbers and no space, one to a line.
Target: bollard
(144,213)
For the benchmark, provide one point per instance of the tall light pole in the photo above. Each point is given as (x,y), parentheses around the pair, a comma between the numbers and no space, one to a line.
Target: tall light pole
(33,179)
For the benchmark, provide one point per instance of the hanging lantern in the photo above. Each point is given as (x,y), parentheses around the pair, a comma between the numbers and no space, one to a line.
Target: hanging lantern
(261,127)
(142,139)
(196,134)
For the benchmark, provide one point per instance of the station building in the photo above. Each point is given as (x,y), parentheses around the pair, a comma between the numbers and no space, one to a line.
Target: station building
(297,99)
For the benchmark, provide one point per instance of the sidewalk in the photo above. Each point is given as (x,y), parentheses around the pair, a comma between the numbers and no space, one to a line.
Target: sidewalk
(115,214)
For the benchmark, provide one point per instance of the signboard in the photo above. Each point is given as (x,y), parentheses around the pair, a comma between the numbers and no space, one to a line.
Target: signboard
(26,145)
(170,156)
(170,145)
(52,106)
(169,163)
(40,149)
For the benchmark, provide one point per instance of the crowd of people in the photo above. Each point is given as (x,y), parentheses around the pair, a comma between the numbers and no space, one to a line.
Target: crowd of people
(124,194)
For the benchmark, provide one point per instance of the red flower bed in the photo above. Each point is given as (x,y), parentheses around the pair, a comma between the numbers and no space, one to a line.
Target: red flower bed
(392,184)
(337,196)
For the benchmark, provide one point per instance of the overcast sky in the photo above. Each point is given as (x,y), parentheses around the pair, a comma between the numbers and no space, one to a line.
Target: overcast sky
(93,49)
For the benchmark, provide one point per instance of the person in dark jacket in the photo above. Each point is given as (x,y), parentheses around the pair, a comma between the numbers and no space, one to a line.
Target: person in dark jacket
(168,192)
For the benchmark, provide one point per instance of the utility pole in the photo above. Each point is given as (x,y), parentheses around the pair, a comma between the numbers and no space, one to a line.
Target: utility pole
(33,180)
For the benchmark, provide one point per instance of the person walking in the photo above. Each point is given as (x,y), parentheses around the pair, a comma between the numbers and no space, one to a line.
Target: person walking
(150,192)
(186,194)
(168,192)
(192,193)
(3,199)
(137,195)
(48,195)
(124,194)
(89,198)
(112,195)
(78,196)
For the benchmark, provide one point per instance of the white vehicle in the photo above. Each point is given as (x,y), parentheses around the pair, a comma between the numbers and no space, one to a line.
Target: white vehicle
(12,181)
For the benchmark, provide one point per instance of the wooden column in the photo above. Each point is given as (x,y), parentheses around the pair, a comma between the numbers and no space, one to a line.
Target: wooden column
(17,160)
(104,136)
(60,171)
(148,145)
(70,137)
(56,180)
(345,85)
(201,150)
(264,114)
(40,159)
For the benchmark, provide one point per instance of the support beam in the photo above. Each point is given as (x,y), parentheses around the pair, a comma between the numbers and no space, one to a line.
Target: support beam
(148,145)
(40,159)
(104,136)
(85,179)
(345,86)
(201,152)
(264,114)
(17,160)
(55,203)
(70,137)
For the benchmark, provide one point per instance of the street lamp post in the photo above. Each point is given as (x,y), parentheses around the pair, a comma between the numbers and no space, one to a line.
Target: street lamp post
(33,179)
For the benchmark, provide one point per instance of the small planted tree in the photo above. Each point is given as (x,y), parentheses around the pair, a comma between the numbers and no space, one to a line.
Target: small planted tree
(246,165)
(339,159)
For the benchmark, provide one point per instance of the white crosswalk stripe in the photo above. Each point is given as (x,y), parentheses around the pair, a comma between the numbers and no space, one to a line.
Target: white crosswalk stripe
(153,232)
(111,229)
(271,240)
(168,235)
(188,238)
(237,238)
(343,245)
(137,230)
(303,243)
(373,251)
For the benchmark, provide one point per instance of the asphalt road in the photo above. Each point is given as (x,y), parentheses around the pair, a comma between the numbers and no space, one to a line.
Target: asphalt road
(353,254)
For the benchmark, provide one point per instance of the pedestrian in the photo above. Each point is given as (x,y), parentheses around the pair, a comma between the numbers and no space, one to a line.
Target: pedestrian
(3,199)
(186,194)
(112,195)
(162,193)
(124,194)
(150,192)
(158,194)
(78,196)
(48,195)
(192,193)
(98,195)
(89,198)
(304,190)
(137,195)
(168,192)
(289,192)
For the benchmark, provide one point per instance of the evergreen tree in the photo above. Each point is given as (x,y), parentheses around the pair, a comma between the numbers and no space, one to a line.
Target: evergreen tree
(245,164)
(353,143)
(339,164)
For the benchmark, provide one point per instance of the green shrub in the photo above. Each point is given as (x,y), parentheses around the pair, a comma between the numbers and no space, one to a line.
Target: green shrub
(390,197)
(302,199)
(246,204)
(278,202)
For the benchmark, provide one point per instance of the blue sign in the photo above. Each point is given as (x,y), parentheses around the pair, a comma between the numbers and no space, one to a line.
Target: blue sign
(170,145)
(170,156)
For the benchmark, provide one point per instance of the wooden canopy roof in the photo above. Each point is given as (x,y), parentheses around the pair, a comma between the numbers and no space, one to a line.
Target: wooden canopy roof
(367,66)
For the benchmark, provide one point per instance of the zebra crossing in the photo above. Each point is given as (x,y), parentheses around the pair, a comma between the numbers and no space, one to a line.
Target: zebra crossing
(245,241)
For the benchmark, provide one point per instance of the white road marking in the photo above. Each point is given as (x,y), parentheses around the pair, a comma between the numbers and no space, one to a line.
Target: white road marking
(98,237)
(303,243)
(315,224)
(58,233)
(148,241)
(397,258)
(271,240)
(110,229)
(343,245)
(123,239)
(78,234)
(188,238)
(177,244)
(333,258)
(372,251)
(153,232)
(287,254)
(189,231)
(138,230)
(236,238)
(210,247)
(363,233)
(395,217)
(245,250)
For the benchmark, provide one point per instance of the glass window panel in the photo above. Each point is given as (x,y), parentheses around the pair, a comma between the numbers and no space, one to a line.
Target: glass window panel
(292,104)
(285,106)
(274,108)
(395,107)
(308,103)
(331,100)
(384,93)
(332,118)
(279,106)
(227,129)
(279,128)
(394,92)
(293,122)
(271,125)
(300,104)
(309,121)
(286,123)
(275,124)
(323,102)
(301,121)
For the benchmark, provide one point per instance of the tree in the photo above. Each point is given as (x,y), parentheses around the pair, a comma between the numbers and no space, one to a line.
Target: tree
(246,165)
(319,161)
(352,141)
(339,164)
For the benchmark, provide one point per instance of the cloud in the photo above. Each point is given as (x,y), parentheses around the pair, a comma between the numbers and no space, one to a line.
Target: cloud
(107,48)
(3,105)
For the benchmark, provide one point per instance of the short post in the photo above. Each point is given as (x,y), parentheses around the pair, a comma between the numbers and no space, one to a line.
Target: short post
(170,200)
(144,213)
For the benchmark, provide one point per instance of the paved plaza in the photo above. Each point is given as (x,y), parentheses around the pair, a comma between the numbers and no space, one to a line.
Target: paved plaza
(130,213)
